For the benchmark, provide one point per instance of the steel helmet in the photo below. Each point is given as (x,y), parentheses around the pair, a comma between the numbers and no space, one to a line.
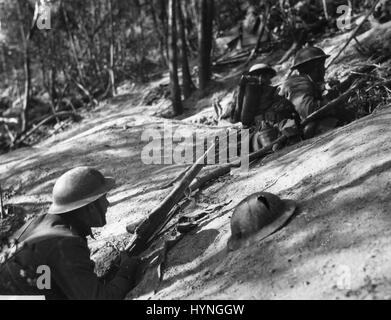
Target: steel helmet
(77,188)
(264,68)
(308,54)
(261,212)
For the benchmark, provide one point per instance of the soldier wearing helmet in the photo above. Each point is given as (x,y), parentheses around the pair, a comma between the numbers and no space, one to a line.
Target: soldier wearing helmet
(259,107)
(58,240)
(305,89)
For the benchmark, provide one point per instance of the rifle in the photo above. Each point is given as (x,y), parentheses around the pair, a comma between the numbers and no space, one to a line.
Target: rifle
(332,104)
(160,216)
(352,83)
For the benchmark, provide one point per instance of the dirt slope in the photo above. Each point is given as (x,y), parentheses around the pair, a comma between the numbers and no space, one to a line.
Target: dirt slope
(336,246)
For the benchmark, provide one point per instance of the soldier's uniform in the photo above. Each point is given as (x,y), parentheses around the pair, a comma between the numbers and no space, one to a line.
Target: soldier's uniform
(383,11)
(57,240)
(261,108)
(306,95)
(48,240)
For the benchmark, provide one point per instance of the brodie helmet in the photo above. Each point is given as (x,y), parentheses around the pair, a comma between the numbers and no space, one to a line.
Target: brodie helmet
(262,68)
(308,54)
(261,212)
(78,187)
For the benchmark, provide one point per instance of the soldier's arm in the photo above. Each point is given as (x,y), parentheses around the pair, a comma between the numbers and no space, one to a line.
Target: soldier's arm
(305,104)
(73,272)
(288,119)
(237,111)
(302,94)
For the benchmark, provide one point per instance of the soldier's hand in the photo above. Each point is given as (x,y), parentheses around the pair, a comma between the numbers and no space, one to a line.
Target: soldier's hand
(289,129)
(129,263)
(130,268)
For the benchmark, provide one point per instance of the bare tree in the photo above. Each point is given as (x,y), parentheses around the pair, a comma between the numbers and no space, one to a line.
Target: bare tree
(2,213)
(160,32)
(3,59)
(188,85)
(265,19)
(205,42)
(26,52)
(73,45)
(111,68)
(173,59)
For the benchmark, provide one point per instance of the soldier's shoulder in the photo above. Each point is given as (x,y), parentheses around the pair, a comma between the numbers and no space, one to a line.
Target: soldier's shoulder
(298,83)
(295,79)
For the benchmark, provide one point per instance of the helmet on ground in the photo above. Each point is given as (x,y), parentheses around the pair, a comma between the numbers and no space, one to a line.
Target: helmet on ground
(262,68)
(308,54)
(261,212)
(78,187)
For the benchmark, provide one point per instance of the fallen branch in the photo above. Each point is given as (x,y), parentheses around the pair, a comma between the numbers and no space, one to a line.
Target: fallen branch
(229,61)
(199,182)
(40,124)
(386,83)
(9,132)
(175,180)
(239,57)
(354,32)
(240,54)
(364,70)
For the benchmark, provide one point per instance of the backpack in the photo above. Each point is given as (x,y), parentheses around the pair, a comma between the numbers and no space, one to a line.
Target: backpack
(240,97)
(9,249)
(16,279)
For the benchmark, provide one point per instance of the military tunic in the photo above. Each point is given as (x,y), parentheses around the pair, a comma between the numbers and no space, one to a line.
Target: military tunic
(257,104)
(50,241)
(306,96)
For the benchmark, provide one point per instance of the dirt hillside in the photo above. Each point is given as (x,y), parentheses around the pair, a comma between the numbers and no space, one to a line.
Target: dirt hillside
(336,245)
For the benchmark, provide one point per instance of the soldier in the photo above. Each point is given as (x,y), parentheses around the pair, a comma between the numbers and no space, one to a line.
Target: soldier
(383,11)
(260,108)
(58,240)
(305,90)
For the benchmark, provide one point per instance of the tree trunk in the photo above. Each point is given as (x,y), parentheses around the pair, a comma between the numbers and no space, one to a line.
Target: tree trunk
(191,24)
(27,70)
(27,87)
(173,59)
(73,47)
(3,59)
(163,18)
(265,20)
(205,43)
(161,35)
(111,69)
(326,14)
(188,86)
